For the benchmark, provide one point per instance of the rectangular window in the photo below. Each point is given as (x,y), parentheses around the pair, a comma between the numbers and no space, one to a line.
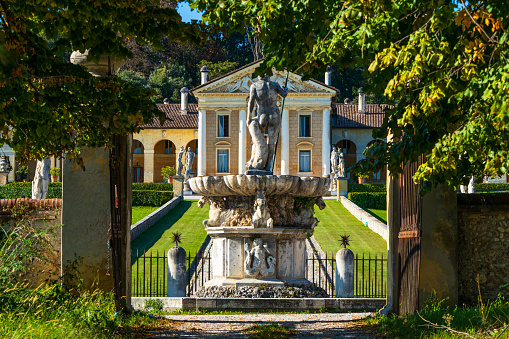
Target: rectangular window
(377,175)
(168,149)
(222,161)
(223,124)
(305,126)
(305,161)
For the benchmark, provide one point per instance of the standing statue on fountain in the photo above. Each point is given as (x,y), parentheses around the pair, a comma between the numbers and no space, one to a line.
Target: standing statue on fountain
(265,93)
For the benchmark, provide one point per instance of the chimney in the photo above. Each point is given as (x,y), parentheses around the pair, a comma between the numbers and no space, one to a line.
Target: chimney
(184,94)
(328,76)
(204,74)
(166,101)
(362,101)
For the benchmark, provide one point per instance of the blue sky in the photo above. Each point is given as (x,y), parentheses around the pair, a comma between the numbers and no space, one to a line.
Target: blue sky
(186,13)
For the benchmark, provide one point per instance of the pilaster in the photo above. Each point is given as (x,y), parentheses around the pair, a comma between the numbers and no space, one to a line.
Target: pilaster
(242,141)
(148,168)
(326,142)
(285,142)
(202,165)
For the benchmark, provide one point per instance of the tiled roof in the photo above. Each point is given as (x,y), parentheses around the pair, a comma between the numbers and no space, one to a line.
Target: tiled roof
(174,119)
(343,116)
(347,116)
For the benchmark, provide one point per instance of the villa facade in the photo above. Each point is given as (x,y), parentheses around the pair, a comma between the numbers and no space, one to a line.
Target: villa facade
(215,129)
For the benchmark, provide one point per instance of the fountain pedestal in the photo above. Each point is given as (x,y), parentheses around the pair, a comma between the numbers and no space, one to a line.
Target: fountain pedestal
(259,225)
(232,248)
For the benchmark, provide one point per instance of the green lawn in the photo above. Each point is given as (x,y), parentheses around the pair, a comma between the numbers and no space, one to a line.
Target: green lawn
(379,214)
(140,212)
(335,221)
(187,218)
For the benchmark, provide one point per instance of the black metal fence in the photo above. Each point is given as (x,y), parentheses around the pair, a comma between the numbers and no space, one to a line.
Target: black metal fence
(149,274)
(369,273)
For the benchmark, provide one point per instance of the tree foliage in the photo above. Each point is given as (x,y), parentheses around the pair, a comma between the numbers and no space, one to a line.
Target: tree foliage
(218,69)
(441,64)
(48,105)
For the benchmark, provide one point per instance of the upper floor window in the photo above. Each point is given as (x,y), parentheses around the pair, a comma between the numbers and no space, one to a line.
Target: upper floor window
(304,125)
(168,147)
(223,126)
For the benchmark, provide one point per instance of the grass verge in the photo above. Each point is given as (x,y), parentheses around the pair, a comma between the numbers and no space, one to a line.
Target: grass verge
(486,320)
(270,330)
(49,311)
(140,212)
(379,214)
(334,221)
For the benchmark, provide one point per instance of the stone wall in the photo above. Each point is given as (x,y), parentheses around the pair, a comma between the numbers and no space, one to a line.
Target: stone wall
(367,219)
(483,245)
(41,214)
(147,222)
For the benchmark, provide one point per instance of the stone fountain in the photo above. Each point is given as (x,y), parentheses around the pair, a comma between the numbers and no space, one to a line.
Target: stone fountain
(259,222)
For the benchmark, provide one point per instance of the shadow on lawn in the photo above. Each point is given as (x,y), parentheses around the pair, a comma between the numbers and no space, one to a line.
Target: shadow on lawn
(148,238)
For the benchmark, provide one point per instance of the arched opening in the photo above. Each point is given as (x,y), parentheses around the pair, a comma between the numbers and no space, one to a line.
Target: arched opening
(164,155)
(349,152)
(194,148)
(378,177)
(138,160)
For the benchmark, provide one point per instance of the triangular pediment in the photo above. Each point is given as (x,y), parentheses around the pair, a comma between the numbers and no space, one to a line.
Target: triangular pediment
(238,82)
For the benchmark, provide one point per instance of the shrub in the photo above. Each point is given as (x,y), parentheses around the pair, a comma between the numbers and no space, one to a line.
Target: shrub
(151,198)
(55,171)
(376,200)
(23,172)
(168,171)
(367,188)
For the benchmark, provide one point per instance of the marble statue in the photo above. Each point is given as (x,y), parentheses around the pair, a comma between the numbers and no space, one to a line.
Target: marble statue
(180,165)
(41,179)
(334,160)
(189,162)
(259,260)
(341,173)
(265,94)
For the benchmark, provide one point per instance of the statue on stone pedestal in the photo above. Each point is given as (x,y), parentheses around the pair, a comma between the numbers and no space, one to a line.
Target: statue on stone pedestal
(264,93)
(189,162)
(341,173)
(334,160)
(41,179)
(260,262)
(180,165)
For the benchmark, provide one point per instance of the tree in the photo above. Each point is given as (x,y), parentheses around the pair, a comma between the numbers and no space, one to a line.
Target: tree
(217,69)
(441,64)
(133,77)
(168,80)
(53,106)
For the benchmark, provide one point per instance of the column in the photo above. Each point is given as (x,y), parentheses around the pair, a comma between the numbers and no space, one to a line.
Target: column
(285,143)
(242,141)
(202,166)
(326,142)
(148,166)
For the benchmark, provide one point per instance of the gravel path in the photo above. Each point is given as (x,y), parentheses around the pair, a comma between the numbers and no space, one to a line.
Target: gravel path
(320,325)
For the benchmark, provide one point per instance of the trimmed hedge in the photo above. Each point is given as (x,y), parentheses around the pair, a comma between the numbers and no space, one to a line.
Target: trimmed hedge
(376,200)
(367,188)
(144,194)
(492,186)
(151,198)
(25,191)
(152,186)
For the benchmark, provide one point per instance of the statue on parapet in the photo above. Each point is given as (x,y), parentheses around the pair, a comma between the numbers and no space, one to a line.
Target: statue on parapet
(180,165)
(341,172)
(265,94)
(41,179)
(189,163)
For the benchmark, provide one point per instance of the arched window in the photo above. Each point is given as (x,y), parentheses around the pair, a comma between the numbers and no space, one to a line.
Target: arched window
(137,147)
